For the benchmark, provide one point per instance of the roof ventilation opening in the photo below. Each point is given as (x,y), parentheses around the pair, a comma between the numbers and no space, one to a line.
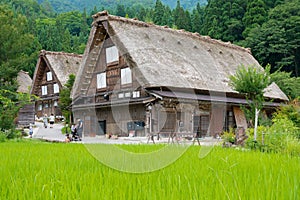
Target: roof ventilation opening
(163,39)
(195,47)
(67,61)
(220,52)
(178,42)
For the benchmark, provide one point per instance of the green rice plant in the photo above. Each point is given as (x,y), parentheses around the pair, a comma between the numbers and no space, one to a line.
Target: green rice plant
(33,169)
(2,136)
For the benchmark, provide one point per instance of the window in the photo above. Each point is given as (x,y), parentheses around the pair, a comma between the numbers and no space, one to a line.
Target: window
(112,54)
(121,95)
(127,94)
(55,104)
(44,90)
(49,76)
(40,107)
(55,88)
(126,77)
(101,80)
(136,94)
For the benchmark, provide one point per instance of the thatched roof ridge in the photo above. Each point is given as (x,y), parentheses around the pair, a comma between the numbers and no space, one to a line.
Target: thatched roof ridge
(102,16)
(44,52)
(273,91)
(24,82)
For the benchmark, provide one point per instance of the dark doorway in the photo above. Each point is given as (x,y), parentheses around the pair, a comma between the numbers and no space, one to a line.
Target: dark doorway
(102,127)
(201,124)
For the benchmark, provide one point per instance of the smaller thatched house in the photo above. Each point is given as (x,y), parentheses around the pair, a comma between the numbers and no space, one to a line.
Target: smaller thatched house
(26,113)
(51,74)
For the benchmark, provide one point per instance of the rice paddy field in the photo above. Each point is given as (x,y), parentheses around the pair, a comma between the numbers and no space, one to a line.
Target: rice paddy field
(39,170)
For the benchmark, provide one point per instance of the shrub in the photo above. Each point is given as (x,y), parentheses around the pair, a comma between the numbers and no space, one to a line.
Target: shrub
(2,136)
(64,129)
(229,136)
(282,137)
(12,133)
(291,111)
(9,134)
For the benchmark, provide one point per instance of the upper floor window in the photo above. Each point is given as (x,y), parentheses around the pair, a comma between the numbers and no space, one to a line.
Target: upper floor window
(112,54)
(126,77)
(56,88)
(44,90)
(49,76)
(101,80)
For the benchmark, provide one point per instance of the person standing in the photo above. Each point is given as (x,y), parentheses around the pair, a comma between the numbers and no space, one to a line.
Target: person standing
(51,120)
(45,120)
(30,130)
(79,127)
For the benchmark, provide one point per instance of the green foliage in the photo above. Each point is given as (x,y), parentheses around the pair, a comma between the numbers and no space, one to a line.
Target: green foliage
(18,47)
(10,103)
(291,112)
(289,85)
(250,81)
(65,98)
(255,15)
(65,130)
(229,136)
(9,134)
(281,137)
(276,41)
(2,136)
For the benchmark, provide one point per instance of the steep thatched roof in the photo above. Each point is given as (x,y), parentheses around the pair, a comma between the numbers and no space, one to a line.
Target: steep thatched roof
(24,82)
(63,64)
(160,56)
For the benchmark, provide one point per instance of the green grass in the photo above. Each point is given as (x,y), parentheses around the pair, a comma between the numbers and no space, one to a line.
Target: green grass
(38,170)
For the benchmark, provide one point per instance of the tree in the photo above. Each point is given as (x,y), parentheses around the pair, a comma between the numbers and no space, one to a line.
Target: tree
(288,84)
(223,19)
(65,97)
(256,14)
(10,104)
(197,18)
(158,13)
(120,11)
(18,49)
(277,41)
(251,82)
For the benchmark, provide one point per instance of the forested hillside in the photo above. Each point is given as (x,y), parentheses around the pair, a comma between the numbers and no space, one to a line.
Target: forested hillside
(271,28)
(69,5)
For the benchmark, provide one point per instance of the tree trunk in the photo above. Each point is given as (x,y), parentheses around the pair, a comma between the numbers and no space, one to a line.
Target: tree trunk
(256,122)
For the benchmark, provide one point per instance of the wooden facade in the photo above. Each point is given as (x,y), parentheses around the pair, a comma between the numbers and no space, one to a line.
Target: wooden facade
(138,78)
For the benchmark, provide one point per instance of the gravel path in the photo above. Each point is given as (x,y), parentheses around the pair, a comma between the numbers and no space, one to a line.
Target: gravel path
(54,134)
